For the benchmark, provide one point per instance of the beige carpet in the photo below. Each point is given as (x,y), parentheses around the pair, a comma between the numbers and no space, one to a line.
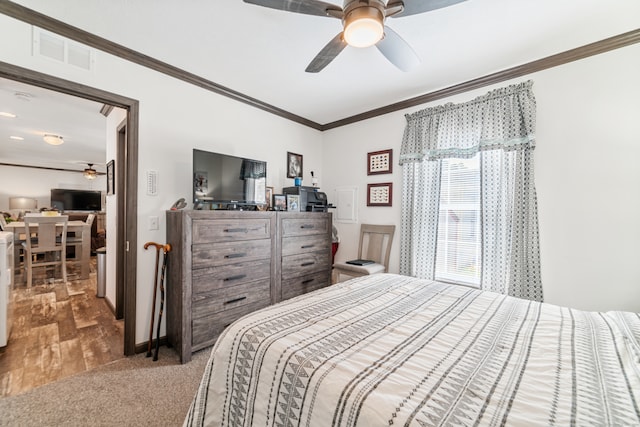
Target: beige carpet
(134,391)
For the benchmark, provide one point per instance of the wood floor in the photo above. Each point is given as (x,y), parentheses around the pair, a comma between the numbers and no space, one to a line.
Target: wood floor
(59,329)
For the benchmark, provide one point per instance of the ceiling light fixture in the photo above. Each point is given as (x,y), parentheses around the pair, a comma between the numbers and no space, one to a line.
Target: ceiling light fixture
(90,173)
(363,26)
(17,138)
(53,139)
(9,115)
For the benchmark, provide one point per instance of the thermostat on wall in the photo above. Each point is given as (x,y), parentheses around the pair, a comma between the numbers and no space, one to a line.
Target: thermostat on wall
(152,183)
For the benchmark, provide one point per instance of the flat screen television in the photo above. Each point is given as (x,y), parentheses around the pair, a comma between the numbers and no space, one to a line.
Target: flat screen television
(221,179)
(76,200)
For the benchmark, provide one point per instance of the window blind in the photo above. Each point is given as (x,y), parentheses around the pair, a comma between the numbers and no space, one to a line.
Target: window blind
(458,255)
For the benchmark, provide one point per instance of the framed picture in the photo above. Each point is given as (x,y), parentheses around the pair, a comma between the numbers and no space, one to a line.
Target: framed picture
(268,196)
(294,165)
(379,194)
(111,178)
(293,202)
(379,162)
(279,202)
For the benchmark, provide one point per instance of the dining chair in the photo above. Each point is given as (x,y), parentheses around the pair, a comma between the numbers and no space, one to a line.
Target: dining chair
(47,247)
(375,245)
(75,240)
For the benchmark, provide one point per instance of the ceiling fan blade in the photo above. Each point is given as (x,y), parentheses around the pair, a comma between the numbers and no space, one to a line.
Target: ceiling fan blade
(413,7)
(309,7)
(397,51)
(327,54)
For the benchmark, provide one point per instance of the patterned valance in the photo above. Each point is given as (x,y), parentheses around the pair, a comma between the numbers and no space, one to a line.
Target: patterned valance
(502,119)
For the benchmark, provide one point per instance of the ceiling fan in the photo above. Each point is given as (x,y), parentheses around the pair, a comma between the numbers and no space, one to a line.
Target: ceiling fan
(90,173)
(363,26)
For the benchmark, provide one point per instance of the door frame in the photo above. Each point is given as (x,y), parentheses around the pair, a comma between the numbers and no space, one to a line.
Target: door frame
(127,227)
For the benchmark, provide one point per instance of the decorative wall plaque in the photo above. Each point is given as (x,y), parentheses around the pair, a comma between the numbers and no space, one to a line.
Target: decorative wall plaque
(380,194)
(379,162)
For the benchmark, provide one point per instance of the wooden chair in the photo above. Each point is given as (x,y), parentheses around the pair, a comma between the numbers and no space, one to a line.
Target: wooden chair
(76,240)
(49,240)
(375,245)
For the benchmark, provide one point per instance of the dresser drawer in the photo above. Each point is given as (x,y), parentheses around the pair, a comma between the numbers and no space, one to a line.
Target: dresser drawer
(301,285)
(305,226)
(304,244)
(206,280)
(208,254)
(225,230)
(206,330)
(230,297)
(298,265)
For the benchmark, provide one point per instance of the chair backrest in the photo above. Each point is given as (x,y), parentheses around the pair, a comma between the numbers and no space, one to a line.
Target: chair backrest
(375,243)
(49,233)
(90,219)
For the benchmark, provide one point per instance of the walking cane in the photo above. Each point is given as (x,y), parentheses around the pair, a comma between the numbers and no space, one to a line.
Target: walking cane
(158,247)
(166,249)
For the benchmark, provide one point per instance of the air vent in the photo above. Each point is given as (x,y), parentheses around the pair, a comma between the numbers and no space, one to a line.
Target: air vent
(53,46)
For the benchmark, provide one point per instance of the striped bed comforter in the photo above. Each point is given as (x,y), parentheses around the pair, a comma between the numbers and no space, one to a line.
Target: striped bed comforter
(393,350)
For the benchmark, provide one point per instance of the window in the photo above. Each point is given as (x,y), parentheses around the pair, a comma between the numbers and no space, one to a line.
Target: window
(458,247)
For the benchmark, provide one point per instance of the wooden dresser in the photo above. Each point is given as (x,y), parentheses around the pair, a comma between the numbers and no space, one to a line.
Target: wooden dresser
(305,252)
(225,264)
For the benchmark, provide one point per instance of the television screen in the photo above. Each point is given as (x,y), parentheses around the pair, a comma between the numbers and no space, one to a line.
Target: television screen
(220,178)
(76,200)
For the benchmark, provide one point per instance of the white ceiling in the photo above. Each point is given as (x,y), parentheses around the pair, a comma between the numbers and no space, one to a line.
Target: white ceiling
(41,111)
(262,52)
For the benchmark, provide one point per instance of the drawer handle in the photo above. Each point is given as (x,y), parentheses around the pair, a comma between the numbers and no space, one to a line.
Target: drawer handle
(307,246)
(236,230)
(307,281)
(306,264)
(235,300)
(238,255)
(307,226)
(238,277)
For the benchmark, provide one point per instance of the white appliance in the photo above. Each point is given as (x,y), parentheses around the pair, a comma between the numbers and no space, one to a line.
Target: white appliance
(6,285)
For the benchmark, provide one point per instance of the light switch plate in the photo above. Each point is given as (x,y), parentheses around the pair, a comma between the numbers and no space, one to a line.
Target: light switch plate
(153,223)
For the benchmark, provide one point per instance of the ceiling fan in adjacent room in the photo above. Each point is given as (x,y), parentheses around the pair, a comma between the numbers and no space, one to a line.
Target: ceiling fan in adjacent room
(363,26)
(90,173)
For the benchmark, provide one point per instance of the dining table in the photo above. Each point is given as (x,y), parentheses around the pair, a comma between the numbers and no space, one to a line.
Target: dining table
(80,228)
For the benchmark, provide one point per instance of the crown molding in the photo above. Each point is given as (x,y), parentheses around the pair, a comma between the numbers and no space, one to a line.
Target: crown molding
(43,21)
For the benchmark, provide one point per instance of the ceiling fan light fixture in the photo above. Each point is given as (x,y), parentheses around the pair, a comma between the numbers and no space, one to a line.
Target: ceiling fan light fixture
(90,173)
(363,27)
(53,139)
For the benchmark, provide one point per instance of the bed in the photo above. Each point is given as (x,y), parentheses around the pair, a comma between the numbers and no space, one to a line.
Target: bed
(387,350)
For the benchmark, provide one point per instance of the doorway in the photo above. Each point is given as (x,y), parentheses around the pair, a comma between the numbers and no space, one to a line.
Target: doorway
(126,229)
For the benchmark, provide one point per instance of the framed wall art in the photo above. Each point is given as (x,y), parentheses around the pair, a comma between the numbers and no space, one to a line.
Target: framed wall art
(294,165)
(380,194)
(111,178)
(379,162)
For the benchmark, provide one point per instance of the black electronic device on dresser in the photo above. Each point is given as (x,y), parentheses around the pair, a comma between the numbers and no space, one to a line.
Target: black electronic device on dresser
(221,181)
(311,200)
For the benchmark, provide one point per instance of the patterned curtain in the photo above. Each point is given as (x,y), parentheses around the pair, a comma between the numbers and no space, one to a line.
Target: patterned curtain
(501,127)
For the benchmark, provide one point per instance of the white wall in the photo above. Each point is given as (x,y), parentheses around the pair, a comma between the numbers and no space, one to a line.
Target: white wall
(117,116)
(175,117)
(587,176)
(37,184)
